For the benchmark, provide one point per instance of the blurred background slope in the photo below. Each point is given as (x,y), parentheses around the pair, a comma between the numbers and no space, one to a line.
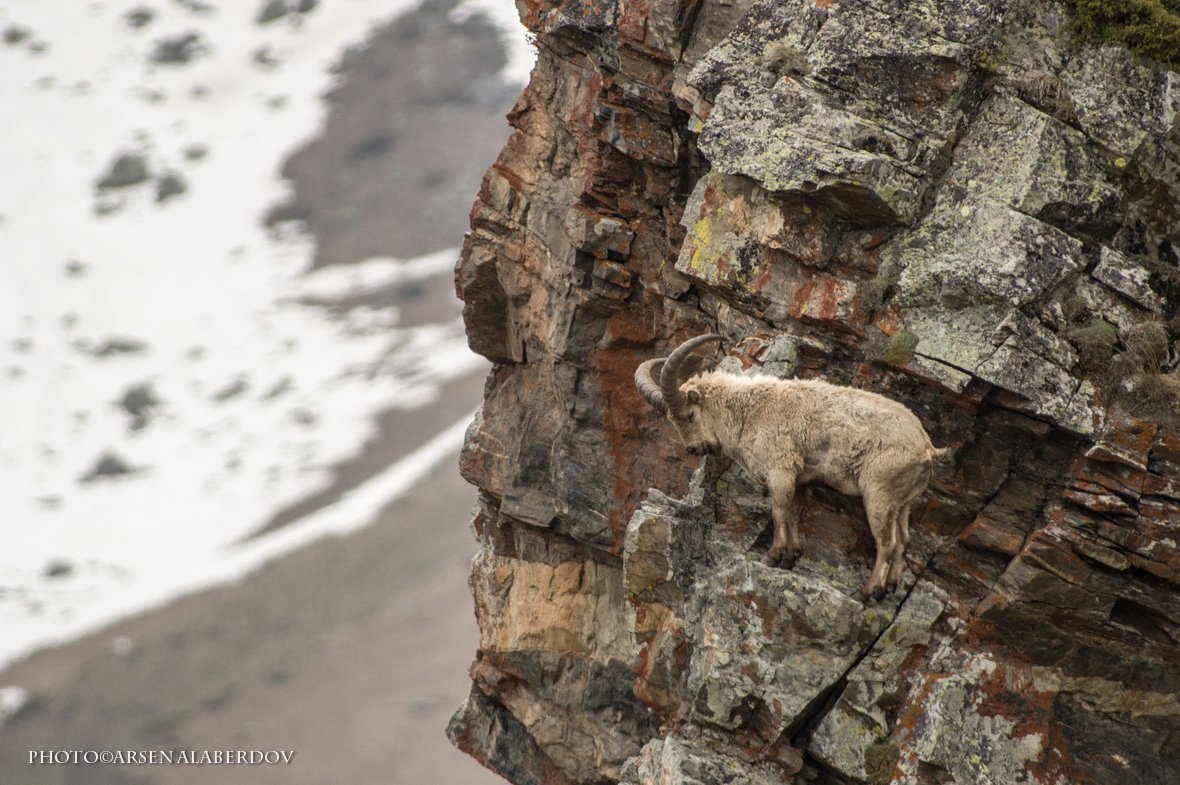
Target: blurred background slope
(233,402)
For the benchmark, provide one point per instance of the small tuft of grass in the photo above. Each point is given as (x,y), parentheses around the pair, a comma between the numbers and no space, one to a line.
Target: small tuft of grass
(1155,397)
(1147,344)
(783,58)
(1049,93)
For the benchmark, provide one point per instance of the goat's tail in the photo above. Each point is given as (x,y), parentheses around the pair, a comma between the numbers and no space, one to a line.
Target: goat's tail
(940,455)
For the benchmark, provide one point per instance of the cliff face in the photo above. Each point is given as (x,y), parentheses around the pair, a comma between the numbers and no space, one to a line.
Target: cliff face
(958,205)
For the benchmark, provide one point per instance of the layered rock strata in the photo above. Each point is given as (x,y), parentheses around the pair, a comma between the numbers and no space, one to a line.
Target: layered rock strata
(958,205)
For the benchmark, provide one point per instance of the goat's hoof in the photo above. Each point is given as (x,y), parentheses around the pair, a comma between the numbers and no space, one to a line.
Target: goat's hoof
(783,557)
(868,592)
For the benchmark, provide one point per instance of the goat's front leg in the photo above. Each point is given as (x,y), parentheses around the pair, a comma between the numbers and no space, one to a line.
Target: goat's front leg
(785,549)
(902,540)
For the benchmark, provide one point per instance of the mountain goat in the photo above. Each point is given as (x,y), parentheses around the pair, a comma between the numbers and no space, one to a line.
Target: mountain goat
(783,432)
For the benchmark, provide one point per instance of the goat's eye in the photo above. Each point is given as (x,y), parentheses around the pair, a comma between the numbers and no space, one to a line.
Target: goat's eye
(690,416)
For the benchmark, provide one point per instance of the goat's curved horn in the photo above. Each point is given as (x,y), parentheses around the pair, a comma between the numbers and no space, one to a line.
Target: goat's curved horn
(645,379)
(670,380)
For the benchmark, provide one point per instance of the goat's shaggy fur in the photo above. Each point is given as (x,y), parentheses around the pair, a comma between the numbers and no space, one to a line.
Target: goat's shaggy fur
(784,432)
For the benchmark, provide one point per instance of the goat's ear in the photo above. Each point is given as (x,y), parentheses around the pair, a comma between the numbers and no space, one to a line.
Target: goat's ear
(693,396)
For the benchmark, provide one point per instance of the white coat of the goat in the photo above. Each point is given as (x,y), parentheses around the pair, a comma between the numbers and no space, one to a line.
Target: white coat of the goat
(783,432)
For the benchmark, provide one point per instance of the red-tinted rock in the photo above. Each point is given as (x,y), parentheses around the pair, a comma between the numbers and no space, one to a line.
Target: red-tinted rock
(864,176)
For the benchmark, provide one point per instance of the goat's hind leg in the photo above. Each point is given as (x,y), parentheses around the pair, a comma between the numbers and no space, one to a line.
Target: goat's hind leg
(882,517)
(785,549)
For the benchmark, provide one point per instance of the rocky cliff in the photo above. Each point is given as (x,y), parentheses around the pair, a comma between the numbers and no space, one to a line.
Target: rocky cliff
(966,206)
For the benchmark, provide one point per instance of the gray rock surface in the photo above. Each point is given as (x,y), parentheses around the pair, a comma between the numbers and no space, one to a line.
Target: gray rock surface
(961,206)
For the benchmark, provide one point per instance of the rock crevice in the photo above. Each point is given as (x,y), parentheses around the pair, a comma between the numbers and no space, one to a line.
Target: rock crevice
(960,206)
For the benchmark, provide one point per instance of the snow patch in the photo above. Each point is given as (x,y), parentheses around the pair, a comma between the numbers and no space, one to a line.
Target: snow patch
(12,700)
(257,390)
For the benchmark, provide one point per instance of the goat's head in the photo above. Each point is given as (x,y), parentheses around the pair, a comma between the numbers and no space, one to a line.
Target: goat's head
(681,401)
(693,424)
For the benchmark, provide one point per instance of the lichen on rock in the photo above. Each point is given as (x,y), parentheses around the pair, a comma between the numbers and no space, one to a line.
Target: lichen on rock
(960,206)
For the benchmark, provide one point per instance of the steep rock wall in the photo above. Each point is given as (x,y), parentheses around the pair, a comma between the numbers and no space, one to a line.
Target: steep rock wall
(957,205)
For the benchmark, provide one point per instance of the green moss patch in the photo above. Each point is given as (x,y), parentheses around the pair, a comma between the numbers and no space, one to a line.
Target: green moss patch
(901,347)
(1150,28)
(1096,335)
(880,761)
